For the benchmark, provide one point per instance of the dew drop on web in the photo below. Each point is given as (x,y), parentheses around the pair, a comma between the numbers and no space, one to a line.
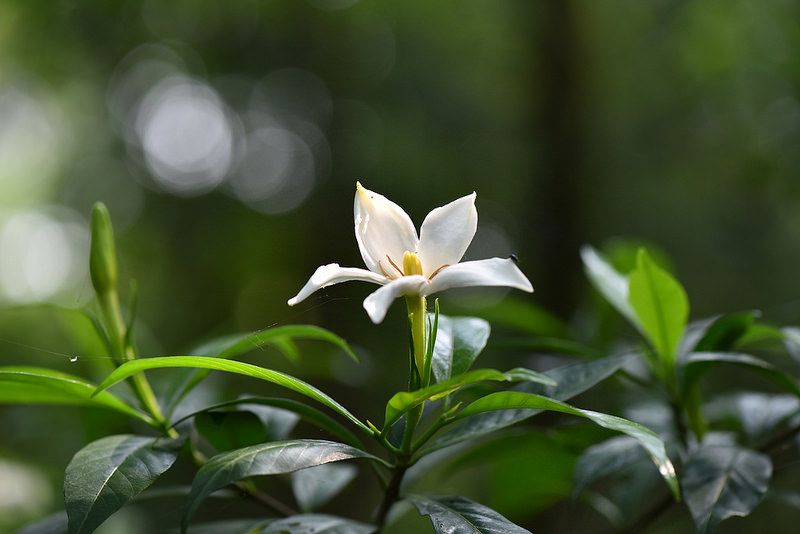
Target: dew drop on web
(73,359)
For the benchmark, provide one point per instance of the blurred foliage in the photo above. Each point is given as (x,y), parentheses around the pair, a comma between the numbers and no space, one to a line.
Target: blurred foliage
(226,139)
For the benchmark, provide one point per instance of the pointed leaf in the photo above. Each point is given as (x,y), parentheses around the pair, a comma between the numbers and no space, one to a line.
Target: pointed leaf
(280,337)
(272,458)
(316,486)
(726,331)
(35,385)
(459,340)
(647,438)
(458,515)
(571,380)
(318,524)
(611,284)
(603,459)
(698,363)
(404,401)
(106,474)
(661,306)
(132,367)
(720,481)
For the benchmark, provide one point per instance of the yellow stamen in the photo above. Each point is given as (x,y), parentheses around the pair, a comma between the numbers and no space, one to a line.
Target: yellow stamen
(411,264)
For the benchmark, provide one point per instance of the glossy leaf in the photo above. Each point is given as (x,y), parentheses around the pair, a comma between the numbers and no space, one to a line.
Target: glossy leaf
(232,526)
(609,283)
(603,459)
(274,458)
(454,514)
(724,333)
(235,345)
(660,304)
(130,368)
(106,474)
(570,380)
(404,401)
(720,481)
(316,486)
(459,340)
(34,385)
(646,437)
(318,524)
(698,363)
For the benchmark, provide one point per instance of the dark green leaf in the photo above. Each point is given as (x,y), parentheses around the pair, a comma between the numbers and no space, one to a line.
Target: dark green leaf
(53,524)
(181,384)
(603,459)
(316,486)
(404,401)
(720,481)
(660,304)
(106,474)
(454,514)
(230,430)
(272,458)
(725,332)
(318,524)
(570,380)
(761,414)
(34,385)
(130,368)
(232,526)
(648,439)
(698,363)
(459,340)
(312,415)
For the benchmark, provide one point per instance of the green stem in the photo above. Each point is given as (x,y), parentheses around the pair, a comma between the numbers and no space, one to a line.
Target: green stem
(117,332)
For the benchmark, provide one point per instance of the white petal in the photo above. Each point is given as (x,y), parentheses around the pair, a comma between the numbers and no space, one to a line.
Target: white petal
(446,233)
(327,275)
(491,272)
(382,229)
(378,302)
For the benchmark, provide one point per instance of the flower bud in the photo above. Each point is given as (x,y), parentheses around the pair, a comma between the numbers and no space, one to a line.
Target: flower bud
(102,257)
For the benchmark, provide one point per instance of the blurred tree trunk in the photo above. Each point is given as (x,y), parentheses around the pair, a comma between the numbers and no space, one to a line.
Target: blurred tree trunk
(561,189)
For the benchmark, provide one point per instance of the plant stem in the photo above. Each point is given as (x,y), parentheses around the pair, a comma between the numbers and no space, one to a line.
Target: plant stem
(392,492)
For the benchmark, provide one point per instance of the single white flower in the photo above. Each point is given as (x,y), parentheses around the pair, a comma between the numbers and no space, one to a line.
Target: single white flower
(407,265)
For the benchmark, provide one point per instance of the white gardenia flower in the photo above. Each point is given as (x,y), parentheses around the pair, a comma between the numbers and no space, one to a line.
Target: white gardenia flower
(388,241)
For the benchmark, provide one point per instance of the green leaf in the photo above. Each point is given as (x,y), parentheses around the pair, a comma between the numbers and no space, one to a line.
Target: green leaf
(106,474)
(459,340)
(720,481)
(312,415)
(316,486)
(130,368)
(647,438)
(725,332)
(274,458)
(603,459)
(230,430)
(571,380)
(318,524)
(762,414)
(454,514)
(404,401)
(609,283)
(52,524)
(661,306)
(232,526)
(35,385)
(699,363)
(281,338)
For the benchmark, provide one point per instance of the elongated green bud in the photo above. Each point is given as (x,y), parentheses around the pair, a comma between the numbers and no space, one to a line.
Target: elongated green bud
(103,255)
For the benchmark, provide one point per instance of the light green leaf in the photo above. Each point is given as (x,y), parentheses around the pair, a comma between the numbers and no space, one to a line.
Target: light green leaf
(661,306)
(404,401)
(274,458)
(647,438)
(720,481)
(609,283)
(459,340)
(454,514)
(36,385)
(130,368)
(281,338)
(106,474)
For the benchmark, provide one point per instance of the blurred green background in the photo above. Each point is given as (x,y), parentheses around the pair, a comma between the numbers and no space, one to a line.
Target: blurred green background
(226,139)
